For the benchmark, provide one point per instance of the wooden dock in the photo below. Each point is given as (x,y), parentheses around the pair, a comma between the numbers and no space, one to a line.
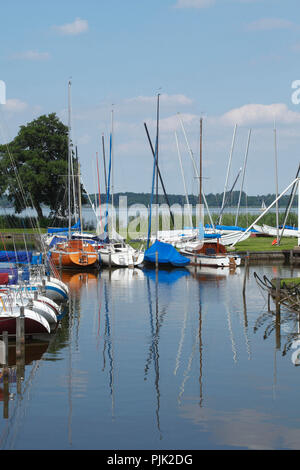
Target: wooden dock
(282,256)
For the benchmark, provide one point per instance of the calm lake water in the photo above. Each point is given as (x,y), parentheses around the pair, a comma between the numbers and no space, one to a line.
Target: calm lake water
(177,362)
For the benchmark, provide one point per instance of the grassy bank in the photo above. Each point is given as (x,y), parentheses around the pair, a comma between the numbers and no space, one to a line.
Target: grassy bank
(265,244)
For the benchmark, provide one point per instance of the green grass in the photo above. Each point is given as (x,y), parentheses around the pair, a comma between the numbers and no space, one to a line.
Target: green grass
(289,282)
(265,244)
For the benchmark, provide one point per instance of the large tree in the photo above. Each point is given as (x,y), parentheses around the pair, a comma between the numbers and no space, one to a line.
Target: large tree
(33,167)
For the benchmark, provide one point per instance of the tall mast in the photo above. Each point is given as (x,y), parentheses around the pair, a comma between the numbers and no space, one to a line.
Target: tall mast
(196,170)
(276,184)
(200,173)
(157,135)
(112,170)
(69,155)
(79,197)
(104,163)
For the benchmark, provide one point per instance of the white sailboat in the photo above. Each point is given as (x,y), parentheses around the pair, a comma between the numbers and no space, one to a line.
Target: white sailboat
(113,250)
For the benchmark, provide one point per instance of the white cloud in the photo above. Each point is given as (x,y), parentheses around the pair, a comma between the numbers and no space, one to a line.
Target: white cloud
(258,114)
(269,24)
(77,27)
(32,55)
(14,105)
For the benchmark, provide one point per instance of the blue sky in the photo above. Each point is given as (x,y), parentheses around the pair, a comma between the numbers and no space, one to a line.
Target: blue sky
(231,61)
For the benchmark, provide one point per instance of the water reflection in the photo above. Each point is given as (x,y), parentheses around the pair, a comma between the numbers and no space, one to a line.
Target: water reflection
(162,359)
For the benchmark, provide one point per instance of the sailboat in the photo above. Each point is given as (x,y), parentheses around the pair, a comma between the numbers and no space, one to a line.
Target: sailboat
(160,252)
(72,253)
(113,250)
(263,206)
(211,252)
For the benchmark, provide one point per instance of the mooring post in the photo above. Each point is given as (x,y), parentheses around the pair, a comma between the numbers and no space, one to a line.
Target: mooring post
(5,375)
(109,260)
(246,273)
(5,356)
(156,260)
(20,333)
(277,295)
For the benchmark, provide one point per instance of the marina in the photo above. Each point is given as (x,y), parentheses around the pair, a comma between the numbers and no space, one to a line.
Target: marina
(181,354)
(149,229)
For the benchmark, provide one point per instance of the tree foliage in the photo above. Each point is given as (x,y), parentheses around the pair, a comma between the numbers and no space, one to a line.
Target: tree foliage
(33,167)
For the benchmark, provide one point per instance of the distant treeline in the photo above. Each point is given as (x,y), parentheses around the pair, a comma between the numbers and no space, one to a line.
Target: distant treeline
(213,200)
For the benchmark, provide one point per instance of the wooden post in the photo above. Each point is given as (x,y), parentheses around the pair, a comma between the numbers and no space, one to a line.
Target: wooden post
(245,273)
(156,260)
(109,260)
(277,326)
(291,257)
(5,375)
(277,295)
(5,358)
(20,333)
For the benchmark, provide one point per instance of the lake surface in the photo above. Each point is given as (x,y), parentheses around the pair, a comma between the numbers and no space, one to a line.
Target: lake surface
(174,362)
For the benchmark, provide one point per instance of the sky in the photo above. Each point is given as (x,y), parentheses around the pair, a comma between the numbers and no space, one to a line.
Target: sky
(233,63)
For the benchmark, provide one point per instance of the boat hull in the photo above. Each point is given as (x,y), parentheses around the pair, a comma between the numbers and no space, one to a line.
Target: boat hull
(33,324)
(74,253)
(122,259)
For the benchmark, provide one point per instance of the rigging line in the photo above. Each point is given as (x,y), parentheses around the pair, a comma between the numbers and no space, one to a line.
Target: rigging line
(184,183)
(196,170)
(99,192)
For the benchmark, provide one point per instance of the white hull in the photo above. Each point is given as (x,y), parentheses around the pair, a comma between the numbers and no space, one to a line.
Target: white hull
(212,260)
(123,259)
(34,322)
(228,238)
(120,255)
(272,231)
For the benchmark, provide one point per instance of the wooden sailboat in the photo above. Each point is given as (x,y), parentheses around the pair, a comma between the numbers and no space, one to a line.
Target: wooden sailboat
(73,253)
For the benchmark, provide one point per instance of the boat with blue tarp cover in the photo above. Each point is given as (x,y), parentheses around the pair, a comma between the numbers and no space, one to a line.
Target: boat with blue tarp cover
(165,254)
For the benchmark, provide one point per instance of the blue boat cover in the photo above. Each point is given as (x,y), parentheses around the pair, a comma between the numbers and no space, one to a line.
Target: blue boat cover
(63,229)
(212,235)
(289,227)
(37,259)
(167,254)
(15,256)
(230,227)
